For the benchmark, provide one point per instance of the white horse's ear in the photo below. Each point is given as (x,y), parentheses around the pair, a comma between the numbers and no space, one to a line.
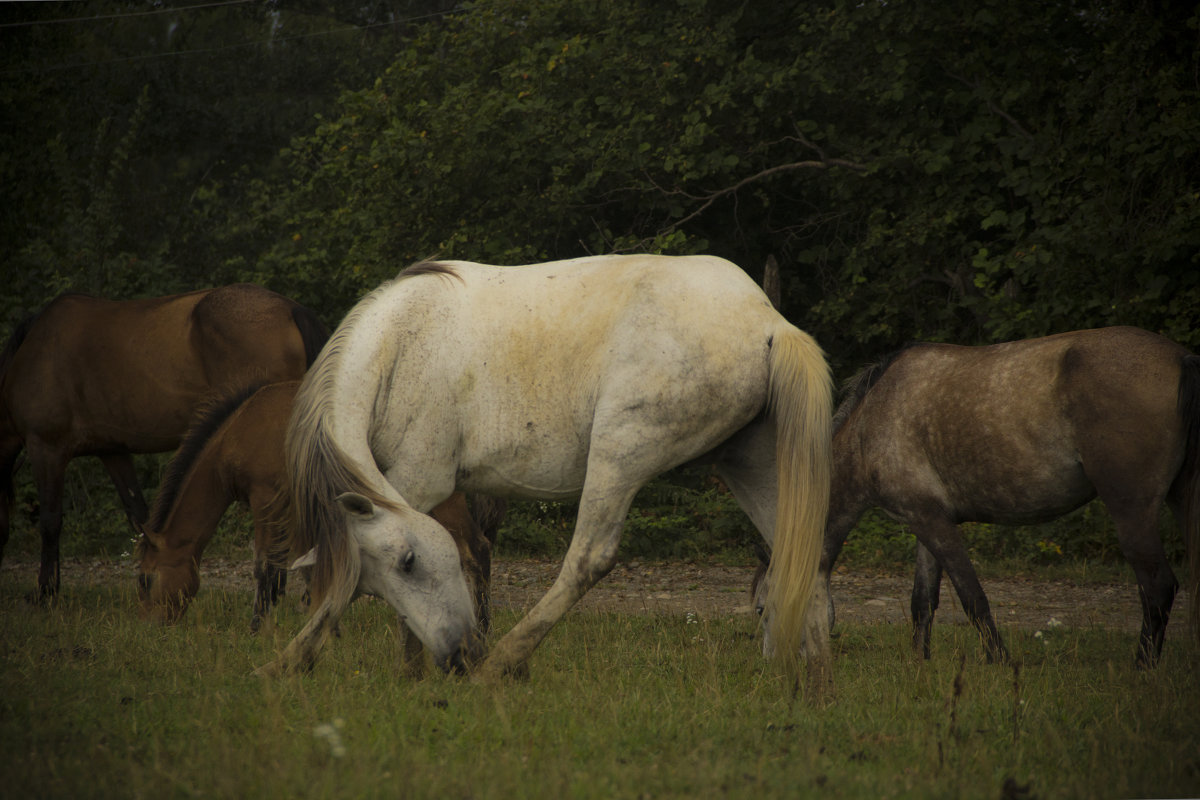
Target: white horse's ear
(309,559)
(356,504)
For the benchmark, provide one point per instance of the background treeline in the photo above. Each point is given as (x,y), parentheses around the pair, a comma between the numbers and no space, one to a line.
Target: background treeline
(959,171)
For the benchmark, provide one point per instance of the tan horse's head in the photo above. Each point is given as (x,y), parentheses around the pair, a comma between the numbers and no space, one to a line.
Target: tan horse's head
(168,579)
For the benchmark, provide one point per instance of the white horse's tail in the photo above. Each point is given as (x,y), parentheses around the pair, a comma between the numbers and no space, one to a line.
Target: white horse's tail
(801,402)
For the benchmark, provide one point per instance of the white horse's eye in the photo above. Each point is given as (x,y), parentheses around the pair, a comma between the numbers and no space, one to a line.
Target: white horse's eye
(407,563)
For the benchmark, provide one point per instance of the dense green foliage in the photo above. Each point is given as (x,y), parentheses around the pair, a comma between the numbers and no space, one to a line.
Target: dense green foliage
(920,172)
(95,703)
(963,172)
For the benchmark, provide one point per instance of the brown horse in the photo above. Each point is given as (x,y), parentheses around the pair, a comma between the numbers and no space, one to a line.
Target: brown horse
(233,451)
(109,378)
(1022,433)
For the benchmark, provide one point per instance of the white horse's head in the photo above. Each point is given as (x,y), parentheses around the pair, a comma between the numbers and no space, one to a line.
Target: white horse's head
(412,562)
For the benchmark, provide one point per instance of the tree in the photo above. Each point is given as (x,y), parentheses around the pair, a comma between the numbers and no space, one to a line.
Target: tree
(124,123)
(950,173)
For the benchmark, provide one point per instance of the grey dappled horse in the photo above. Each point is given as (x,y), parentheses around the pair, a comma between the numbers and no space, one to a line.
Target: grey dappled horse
(1022,433)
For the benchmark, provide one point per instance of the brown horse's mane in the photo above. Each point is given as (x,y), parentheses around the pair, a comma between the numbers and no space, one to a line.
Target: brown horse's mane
(313,332)
(856,387)
(208,418)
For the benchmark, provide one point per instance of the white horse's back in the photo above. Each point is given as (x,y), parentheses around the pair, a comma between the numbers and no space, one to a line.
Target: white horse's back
(521,362)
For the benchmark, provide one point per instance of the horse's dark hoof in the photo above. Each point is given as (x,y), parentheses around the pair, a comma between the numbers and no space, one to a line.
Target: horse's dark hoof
(41,597)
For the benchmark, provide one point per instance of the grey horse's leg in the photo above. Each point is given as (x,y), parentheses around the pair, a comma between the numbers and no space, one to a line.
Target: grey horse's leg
(945,543)
(926,594)
(1137,533)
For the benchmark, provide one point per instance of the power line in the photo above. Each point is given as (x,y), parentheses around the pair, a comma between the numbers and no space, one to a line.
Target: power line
(122,16)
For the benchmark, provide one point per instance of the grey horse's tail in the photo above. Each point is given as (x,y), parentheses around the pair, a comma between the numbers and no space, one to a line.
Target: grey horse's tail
(1188,481)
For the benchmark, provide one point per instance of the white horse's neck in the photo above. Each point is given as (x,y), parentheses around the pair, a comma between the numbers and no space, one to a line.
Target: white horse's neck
(357,379)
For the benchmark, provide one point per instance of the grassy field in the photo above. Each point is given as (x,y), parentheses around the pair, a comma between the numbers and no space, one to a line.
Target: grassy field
(95,703)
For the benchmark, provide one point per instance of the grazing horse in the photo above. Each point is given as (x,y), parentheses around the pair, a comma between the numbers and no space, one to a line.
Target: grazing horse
(1022,433)
(233,452)
(582,378)
(87,376)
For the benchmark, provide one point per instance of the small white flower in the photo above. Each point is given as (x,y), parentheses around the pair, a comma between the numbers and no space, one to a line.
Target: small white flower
(330,733)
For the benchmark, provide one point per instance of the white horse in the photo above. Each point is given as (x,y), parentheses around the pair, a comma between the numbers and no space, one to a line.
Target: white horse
(582,378)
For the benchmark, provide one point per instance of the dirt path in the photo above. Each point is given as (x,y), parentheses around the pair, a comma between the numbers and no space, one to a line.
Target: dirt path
(708,589)
(859,596)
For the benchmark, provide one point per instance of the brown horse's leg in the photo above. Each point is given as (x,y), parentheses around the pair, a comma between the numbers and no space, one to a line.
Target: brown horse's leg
(49,467)
(488,513)
(270,573)
(124,477)
(1137,533)
(263,594)
(10,448)
(926,594)
(944,542)
(269,584)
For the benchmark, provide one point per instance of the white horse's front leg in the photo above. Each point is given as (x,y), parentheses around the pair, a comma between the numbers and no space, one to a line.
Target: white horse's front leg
(591,556)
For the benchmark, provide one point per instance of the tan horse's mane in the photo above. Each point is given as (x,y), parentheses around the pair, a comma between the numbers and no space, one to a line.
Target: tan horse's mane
(210,415)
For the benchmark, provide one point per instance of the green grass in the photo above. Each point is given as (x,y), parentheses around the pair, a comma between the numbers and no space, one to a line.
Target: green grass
(95,703)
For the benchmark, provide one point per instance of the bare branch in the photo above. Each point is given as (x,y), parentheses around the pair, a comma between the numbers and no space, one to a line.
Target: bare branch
(713,197)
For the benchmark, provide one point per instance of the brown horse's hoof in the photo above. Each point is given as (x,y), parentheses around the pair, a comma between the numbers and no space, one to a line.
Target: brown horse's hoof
(42,596)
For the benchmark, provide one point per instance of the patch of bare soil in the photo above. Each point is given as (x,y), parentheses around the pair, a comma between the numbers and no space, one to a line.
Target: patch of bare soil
(707,590)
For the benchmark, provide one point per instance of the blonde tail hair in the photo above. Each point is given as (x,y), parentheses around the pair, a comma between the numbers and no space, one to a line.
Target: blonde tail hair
(801,402)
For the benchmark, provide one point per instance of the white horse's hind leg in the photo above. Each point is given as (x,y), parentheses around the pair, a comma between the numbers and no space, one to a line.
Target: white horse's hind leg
(591,556)
(746,463)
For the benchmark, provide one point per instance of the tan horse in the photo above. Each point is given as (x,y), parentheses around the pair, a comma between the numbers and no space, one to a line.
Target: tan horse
(234,452)
(108,378)
(1022,433)
(581,378)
